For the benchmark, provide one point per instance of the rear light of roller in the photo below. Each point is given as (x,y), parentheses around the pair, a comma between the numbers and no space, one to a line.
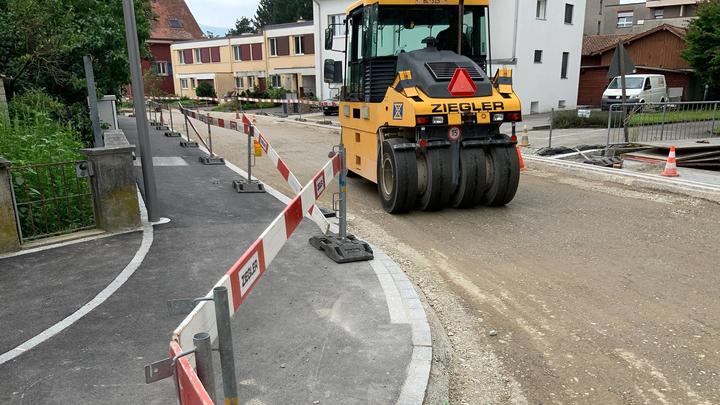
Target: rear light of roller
(430,119)
(514,116)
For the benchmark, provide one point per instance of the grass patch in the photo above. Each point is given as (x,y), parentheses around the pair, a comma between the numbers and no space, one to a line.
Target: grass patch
(671,116)
(233,106)
(570,119)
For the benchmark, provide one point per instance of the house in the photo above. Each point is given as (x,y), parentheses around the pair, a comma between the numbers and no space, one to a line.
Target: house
(612,17)
(281,55)
(541,43)
(173,22)
(655,51)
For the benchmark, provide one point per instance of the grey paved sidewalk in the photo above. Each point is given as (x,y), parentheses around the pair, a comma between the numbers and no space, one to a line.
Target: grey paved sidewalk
(311,331)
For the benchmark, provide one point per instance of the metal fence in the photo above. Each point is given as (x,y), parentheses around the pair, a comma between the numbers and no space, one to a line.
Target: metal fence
(652,122)
(52,199)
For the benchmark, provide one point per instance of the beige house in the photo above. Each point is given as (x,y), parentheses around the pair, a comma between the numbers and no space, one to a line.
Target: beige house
(281,55)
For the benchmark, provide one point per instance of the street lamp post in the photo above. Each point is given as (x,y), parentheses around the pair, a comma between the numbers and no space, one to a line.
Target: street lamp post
(138,91)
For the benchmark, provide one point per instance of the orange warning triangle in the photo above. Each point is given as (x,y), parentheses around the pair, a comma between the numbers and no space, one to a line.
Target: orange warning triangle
(461,84)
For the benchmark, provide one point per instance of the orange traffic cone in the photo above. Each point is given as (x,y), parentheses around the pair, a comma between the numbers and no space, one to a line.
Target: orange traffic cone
(520,158)
(671,165)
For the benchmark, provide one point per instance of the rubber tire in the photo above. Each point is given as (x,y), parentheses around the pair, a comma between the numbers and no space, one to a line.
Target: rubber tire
(404,165)
(473,178)
(503,175)
(439,189)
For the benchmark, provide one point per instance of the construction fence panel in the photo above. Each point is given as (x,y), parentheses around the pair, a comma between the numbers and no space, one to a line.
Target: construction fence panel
(656,122)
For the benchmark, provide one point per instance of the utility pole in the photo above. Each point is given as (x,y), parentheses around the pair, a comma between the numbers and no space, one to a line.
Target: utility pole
(624,90)
(139,103)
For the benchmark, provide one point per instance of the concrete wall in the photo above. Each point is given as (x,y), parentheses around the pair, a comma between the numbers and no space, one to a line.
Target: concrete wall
(9,240)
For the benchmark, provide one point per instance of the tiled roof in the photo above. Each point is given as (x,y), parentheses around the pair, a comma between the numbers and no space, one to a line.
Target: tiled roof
(174,21)
(594,43)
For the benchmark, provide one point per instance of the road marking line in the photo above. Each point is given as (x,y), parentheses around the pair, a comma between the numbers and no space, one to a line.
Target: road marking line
(147,240)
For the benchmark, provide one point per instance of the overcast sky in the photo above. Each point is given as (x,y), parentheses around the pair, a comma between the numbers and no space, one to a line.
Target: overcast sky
(222,13)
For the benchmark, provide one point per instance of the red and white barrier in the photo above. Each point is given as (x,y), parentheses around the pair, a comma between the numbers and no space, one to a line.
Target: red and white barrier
(315,214)
(257,100)
(244,275)
(190,388)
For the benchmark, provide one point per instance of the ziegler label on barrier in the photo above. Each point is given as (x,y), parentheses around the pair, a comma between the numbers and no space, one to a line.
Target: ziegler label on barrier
(319,185)
(249,273)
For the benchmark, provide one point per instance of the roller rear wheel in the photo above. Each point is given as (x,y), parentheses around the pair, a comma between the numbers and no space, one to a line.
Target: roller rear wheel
(438,179)
(473,178)
(503,175)
(396,177)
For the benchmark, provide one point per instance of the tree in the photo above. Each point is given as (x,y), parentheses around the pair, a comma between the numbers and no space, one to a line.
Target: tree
(242,26)
(703,45)
(282,11)
(205,89)
(42,43)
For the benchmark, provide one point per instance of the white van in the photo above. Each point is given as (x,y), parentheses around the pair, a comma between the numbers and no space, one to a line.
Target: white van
(639,89)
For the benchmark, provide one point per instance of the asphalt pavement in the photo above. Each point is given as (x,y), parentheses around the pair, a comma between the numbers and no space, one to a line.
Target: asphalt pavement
(312,331)
(578,291)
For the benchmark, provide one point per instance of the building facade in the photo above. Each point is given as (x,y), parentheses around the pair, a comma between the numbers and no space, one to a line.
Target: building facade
(173,22)
(611,17)
(281,55)
(542,44)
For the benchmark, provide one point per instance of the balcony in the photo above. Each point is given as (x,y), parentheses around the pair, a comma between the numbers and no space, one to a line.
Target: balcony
(667,3)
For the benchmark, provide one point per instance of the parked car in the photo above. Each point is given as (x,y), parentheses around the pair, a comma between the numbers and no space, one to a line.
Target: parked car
(329,109)
(639,89)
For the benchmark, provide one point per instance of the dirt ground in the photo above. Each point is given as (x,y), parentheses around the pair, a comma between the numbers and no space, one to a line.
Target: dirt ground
(575,293)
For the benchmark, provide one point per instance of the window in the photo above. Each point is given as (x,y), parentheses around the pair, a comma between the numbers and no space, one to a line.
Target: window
(192,83)
(564,68)
(337,21)
(561,103)
(198,56)
(299,48)
(175,23)
(181,57)
(273,46)
(239,82)
(184,83)
(625,19)
(538,56)
(569,13)
(275,80)
(236,52)
(659,13)
(250,81)
(541,10)
(161,68)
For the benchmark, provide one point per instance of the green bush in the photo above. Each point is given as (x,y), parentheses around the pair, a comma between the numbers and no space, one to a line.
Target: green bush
(275,92)
(570,119)
(205,89)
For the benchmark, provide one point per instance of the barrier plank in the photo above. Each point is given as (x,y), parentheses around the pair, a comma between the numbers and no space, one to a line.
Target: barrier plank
(191,390)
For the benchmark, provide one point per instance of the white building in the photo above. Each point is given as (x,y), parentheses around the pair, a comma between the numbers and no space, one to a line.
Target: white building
(541,40)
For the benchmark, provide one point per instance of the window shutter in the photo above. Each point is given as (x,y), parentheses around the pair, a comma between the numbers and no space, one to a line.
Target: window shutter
(188,56)
(169,69)
(257,52)
(283,46)
(245,52)
(205,55)
(215,54)
(308,44)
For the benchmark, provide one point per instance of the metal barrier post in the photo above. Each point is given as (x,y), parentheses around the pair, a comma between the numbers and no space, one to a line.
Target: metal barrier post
(187,143)
(204,362)
(342,248)
(249,185)
(342,182)
(212,159)
(552,118)
(712,127)
(225,345)
(662,124)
